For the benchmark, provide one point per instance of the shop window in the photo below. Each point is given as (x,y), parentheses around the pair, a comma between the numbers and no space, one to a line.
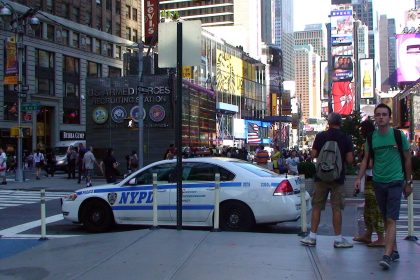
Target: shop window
(94,69)
(76,37)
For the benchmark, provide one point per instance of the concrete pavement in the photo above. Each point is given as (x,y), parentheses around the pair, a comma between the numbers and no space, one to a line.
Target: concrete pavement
(195,254)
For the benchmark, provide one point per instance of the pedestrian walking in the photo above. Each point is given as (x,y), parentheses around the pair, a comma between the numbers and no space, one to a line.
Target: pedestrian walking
(292,163)
(390,152)
(330,179)
(275,156)
(261,156)
(89,162)
(110,167)
(50,163)
(371,214)
(79,161)
(39,161)
(3,166)
(133,161)
(71,162)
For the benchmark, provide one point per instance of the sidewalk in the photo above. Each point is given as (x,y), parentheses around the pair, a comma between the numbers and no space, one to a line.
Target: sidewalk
(186,254)
(57,183)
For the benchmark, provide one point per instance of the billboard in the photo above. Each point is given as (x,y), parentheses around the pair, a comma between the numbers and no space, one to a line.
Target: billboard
(257,132)
(341,27)
(229,73)
(11,73)
(343,68)
(408,57)
(342,96)
(324,79)
(367,88)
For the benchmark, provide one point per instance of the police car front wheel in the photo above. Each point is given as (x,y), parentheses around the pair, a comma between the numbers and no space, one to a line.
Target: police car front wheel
(236,216)
(97,216)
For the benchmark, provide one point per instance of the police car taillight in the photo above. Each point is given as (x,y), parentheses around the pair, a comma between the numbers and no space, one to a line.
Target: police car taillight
(284,188)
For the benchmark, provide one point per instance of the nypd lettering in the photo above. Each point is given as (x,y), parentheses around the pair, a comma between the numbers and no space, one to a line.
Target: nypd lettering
(136,197)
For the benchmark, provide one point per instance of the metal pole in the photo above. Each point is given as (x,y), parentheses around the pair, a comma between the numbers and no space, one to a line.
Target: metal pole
(356,65)
(410,217)
(216,202)
(19,171)
(43,222)
(178,129)
(155,203)
(330,67)
(141,110)
(303,222)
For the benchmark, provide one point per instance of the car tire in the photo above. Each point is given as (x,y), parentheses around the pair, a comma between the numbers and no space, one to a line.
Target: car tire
(97,216)
(236,216)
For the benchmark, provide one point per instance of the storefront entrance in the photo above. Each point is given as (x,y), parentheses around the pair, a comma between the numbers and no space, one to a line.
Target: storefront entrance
(44,127)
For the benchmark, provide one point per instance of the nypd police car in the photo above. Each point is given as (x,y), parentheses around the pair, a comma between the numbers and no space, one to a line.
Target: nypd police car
(249,195)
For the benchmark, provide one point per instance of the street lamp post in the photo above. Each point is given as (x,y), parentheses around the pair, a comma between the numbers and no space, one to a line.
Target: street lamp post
(18,26)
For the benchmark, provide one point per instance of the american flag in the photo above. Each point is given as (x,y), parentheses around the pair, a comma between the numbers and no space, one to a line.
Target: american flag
(253,136)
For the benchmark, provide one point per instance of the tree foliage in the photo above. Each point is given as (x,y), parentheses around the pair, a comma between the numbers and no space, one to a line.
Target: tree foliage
(351,125)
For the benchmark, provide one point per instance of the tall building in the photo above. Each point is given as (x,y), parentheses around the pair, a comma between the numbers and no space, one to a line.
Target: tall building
(315,35)
(384,45)
(283,35)
(75,40)
(392,51)
(417,4)
(362,41)
(307,81)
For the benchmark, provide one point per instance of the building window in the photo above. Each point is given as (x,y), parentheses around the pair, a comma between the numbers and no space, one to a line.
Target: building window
(65,37)
(118,7)
(98,2)
(76,40)
(50,32)
(76,14)
(134,14)
(38,31)
(118,52)
(128,33)
(88,45)
(66,10)
(114,72)
(108,26)
(49,6)
(135,35)
(99,22)
(94,69)
(128,12)
(108,47)
(71,90)
(44,72)
(89,19)
(97,46)
(108,5)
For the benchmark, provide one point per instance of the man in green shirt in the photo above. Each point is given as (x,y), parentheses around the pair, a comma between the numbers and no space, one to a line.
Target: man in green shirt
(388,177)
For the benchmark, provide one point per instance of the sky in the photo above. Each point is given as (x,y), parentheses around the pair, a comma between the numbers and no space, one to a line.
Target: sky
(316,11)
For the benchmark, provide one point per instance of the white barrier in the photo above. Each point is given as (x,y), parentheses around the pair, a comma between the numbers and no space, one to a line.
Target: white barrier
(303,223)
(155,202)
(43,217)
(410,219)
(216,202)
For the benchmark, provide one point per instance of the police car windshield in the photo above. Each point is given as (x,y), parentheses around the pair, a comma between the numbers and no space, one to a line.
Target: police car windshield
(257,170)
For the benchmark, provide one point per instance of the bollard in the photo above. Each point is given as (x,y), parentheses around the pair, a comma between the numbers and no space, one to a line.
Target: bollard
(303,224)
(410,206)
(216,202)
(43,221)
(155,203)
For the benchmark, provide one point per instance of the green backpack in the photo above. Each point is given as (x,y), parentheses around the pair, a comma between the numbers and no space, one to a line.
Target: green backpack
(329,164)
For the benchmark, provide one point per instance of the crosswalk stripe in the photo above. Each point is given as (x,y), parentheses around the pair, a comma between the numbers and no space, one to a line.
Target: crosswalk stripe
(13,198)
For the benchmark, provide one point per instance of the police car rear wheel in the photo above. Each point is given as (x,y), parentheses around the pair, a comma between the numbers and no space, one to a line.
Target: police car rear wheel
(97,217)
(235,216)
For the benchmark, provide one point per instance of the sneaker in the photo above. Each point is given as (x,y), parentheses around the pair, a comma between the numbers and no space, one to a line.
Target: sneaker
(385,262)
(342,244)
(308,241)
(395,256)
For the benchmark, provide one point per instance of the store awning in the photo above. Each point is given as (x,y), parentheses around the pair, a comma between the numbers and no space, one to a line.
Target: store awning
(411,89)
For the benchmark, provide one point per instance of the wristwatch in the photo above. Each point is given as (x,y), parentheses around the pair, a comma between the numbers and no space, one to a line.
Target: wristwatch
(409,182)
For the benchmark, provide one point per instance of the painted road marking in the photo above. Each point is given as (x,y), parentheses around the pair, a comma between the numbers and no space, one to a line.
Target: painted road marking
(27,226)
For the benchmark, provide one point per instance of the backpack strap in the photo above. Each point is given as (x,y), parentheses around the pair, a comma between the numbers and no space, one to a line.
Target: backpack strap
(398,139)
(369,142)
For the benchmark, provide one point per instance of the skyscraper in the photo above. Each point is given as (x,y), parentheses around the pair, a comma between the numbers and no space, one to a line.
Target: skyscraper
(316,35)
(283,35)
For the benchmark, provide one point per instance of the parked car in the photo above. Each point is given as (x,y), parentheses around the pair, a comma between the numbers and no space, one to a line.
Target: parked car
(60,151)
(249,195)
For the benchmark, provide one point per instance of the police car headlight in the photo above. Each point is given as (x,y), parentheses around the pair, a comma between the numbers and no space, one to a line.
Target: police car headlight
(71,197)
(60,162)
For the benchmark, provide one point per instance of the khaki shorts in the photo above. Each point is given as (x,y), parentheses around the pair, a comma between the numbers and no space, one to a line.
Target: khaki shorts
(320,195)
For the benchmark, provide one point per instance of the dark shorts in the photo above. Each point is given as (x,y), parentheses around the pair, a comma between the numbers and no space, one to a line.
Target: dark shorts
(388,196)
(320,195)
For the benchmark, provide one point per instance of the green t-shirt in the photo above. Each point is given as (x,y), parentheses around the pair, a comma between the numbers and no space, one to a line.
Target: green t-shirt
(387,166)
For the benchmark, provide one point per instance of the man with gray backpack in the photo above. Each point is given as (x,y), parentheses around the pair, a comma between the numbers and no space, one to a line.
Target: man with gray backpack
(332,148)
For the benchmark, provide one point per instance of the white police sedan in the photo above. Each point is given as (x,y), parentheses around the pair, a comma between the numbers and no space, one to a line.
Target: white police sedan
(249,195)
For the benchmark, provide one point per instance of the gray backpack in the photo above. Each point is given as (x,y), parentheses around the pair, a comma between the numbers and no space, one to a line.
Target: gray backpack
(329,164)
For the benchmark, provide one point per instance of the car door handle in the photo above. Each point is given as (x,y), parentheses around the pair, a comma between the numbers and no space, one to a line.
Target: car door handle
(162,190)
(210,189)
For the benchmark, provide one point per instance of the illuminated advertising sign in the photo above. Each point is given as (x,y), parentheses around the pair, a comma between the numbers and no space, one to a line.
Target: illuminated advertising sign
(257,132)
(341,27)
(343,68)
(343,98)
(367,87)
(324,86)
(151,20)
(408,57)
(274,111)
(229,73)
(11,73)
(340,2)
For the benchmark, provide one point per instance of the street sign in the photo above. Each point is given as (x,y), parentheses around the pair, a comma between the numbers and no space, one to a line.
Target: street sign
(30,106)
